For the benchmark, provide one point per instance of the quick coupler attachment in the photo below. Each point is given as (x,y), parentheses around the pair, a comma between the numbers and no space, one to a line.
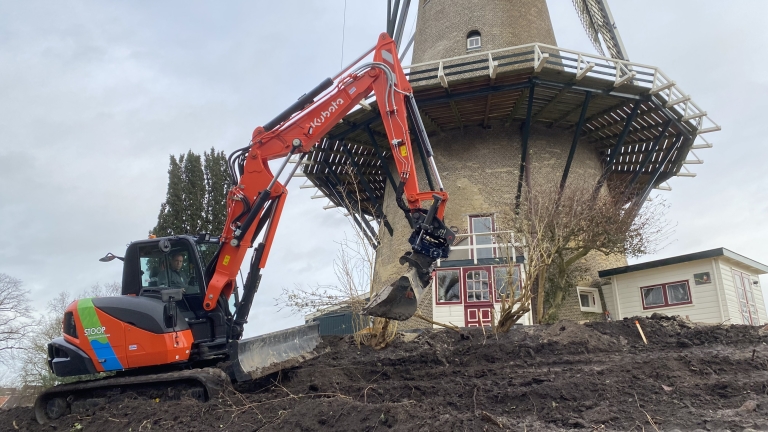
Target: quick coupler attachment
(399,300)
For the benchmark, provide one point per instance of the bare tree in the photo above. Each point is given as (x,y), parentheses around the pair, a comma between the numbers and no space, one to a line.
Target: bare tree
(516,292)
(34,358)
(109,289)
(558,228)
(352,267)
(14,311)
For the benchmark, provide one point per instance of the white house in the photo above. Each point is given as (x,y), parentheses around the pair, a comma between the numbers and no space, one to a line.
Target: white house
(712,286)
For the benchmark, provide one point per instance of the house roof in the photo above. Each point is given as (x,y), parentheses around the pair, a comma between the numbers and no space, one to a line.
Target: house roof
(712,253)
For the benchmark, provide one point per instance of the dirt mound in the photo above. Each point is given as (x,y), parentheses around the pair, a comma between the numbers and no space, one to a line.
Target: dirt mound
(567,376)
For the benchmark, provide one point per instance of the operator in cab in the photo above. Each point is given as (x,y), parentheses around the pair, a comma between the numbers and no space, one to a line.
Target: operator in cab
(175,277)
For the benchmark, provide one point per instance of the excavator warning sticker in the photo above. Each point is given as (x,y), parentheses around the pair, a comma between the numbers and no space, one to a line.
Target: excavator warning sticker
(97,336)
(403,151)
(226,260)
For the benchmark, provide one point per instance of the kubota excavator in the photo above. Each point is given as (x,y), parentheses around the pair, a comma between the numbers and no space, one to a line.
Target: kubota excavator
(173,320)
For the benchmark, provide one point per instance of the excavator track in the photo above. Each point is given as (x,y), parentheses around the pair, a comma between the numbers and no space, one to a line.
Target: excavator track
(200,384)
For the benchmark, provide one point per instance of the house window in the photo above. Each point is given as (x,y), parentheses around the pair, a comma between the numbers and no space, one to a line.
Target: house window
(589,300)
(747,305)
(481,228)
(666,295)
(473,40)
(501,281)
(477,286)
(448,286)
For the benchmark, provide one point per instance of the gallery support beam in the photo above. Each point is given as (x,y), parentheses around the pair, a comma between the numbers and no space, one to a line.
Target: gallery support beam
(575,142)
(379,210)
(437,100)
(380,155)
(640,199)
(649,155)
(361,177)
(348,202)
(525,174)
(334,188)
(617,148)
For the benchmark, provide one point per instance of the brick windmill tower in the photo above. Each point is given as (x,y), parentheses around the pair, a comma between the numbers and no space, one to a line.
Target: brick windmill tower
(502,101)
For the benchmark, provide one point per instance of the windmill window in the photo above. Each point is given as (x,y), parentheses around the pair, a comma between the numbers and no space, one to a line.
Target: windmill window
(481,228)
(473,40)
(589,300)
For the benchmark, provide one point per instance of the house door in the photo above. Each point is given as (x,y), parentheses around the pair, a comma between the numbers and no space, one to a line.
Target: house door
(478,296)
(747,303)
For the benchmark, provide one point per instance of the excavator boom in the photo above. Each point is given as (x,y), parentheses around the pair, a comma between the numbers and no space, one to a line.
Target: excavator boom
(174,313)
(256,199)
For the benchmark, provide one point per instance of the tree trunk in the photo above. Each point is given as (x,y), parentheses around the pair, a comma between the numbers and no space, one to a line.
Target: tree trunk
(540,295)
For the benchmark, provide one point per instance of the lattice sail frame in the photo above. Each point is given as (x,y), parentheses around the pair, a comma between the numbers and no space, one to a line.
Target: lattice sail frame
(598,23)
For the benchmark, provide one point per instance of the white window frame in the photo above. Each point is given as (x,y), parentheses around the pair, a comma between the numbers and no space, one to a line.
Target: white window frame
(473,252)
(471,40)
(594,293)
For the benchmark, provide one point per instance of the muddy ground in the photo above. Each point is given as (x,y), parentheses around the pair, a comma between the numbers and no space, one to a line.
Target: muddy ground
(597,376)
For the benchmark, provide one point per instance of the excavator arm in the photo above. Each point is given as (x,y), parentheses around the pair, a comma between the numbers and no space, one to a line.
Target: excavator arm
(256,199)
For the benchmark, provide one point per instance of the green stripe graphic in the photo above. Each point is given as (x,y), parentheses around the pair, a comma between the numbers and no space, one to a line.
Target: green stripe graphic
(90,320)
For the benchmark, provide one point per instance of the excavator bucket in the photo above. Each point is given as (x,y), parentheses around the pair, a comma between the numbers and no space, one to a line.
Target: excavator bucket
(399,300)
(262,355)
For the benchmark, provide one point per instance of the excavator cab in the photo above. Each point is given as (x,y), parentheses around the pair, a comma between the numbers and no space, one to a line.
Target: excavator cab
(156,266)
(159,319)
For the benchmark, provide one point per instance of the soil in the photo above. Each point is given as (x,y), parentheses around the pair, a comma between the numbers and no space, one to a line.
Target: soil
(567,376)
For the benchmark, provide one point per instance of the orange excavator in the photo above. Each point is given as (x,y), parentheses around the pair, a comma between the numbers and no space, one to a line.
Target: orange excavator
(173,332)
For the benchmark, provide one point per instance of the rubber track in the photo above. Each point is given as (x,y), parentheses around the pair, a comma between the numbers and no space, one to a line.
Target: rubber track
(212,379)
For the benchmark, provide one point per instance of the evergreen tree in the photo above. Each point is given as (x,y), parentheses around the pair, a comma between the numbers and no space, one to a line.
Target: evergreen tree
(193,193)
(170,220)
(197,195)
(217,185)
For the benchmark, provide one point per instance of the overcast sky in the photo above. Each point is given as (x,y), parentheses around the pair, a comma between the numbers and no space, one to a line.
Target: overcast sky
(94,96)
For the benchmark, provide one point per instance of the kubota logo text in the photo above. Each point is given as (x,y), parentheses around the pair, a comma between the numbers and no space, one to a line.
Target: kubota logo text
(95,331)
(335,105)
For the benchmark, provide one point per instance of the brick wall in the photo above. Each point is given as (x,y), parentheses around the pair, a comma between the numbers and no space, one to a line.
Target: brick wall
(443,25)
(479,168)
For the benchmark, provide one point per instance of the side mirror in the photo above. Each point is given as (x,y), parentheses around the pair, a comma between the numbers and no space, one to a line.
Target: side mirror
(109,257)
(170,297)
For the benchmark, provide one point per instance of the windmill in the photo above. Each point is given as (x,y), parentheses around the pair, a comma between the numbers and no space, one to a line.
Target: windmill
(504,103)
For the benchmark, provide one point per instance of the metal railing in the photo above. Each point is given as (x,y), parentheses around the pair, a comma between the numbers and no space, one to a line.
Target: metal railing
(583,64)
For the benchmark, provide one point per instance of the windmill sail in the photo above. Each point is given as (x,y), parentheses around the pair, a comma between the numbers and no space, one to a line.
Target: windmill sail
(598,22)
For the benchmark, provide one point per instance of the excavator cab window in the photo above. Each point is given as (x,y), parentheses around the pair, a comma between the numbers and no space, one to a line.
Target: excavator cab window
(176,268)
